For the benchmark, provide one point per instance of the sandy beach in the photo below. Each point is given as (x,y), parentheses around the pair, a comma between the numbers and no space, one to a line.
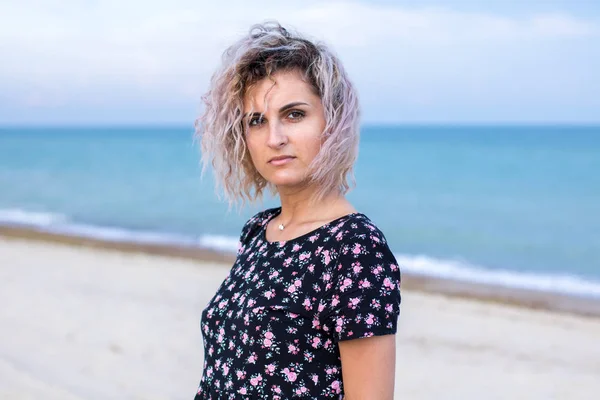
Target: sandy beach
(80,322)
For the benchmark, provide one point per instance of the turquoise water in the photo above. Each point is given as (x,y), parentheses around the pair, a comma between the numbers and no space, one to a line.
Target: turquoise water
(518,206)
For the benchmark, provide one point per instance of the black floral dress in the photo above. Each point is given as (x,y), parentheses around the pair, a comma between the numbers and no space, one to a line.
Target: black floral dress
(272,329)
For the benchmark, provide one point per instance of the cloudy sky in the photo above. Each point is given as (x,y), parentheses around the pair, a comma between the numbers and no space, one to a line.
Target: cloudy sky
(148,61)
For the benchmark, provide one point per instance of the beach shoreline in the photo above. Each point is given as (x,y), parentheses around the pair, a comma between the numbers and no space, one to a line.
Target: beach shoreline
(527,298)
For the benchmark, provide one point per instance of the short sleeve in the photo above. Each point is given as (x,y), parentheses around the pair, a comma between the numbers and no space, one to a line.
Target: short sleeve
(249,230)
(365,298)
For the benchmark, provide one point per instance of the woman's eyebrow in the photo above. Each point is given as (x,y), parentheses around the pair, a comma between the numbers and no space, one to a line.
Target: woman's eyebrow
(292,105)
(281,110)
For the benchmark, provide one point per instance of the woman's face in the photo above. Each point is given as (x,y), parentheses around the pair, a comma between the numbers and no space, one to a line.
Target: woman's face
(284,128)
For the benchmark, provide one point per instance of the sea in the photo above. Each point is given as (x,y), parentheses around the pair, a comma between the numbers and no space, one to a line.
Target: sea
(515,206)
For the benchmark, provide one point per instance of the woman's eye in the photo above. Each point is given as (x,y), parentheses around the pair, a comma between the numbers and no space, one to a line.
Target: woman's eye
(256,121)
(294,115)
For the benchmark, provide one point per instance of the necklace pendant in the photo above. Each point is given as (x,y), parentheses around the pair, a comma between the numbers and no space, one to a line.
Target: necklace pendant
(281,227)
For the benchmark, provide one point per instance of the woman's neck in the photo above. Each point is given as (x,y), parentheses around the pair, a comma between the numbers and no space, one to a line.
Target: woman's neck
(296,206)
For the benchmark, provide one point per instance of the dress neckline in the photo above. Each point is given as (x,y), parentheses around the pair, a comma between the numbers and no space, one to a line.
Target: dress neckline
(276,211)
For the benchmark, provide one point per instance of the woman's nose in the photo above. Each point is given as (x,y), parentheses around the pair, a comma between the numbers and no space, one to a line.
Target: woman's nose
(277,137)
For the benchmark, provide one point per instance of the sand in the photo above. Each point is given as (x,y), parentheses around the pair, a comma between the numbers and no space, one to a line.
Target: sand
(79,322)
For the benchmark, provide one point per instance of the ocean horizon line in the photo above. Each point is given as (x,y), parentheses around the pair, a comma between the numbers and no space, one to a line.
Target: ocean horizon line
(378,125)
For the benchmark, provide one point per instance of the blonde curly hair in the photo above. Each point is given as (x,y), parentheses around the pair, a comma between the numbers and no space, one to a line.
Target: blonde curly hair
(267,49)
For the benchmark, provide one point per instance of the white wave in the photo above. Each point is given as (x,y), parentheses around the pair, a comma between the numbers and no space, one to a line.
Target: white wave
(115,234)
(416,264)
(221,243)
(457,270)
(14,216)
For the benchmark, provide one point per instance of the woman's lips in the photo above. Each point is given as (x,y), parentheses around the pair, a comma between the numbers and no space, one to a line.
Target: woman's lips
(277,161)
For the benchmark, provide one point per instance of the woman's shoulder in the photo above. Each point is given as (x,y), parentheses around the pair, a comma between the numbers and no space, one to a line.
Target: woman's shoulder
(256,222)
(360,228)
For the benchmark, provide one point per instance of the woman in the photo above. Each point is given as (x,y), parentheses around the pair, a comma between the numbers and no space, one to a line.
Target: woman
(310,307)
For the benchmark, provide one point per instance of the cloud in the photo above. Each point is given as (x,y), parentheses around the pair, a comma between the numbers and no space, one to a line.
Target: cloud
(75,51)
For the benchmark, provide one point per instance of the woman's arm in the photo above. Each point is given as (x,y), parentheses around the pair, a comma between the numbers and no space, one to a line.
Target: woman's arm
(368,367)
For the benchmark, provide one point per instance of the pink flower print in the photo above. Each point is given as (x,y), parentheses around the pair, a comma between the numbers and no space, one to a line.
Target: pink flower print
(316,342)
(321,307)
(242,390)
(353,302)
(388,284)
(308,356)
(304,256)
(389,308)
(270,369)
(378,269)
(297,283)
(326,277)
(315,378)
(292,349)
(251,302)
(252,359)
(313,238)
(335,385)
(255,380)
(365,284)
(296,247)
(274,274)
(291,288)
(357,248)
(327,343)
(257,309)
(327,258)
(291,375)
(335,301)
(347,283)
(301,390)
(222,304)
(316,324)
(307,305)
(319,250)
(370,319)
(287,262)
(339,323)
(269,335)
(267,342)
(356,267)
(311,268)
(277,389)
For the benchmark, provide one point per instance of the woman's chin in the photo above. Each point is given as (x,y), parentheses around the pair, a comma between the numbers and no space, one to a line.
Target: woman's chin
(287,181)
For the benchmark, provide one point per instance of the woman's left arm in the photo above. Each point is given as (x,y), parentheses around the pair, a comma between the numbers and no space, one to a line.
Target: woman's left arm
(368,367)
